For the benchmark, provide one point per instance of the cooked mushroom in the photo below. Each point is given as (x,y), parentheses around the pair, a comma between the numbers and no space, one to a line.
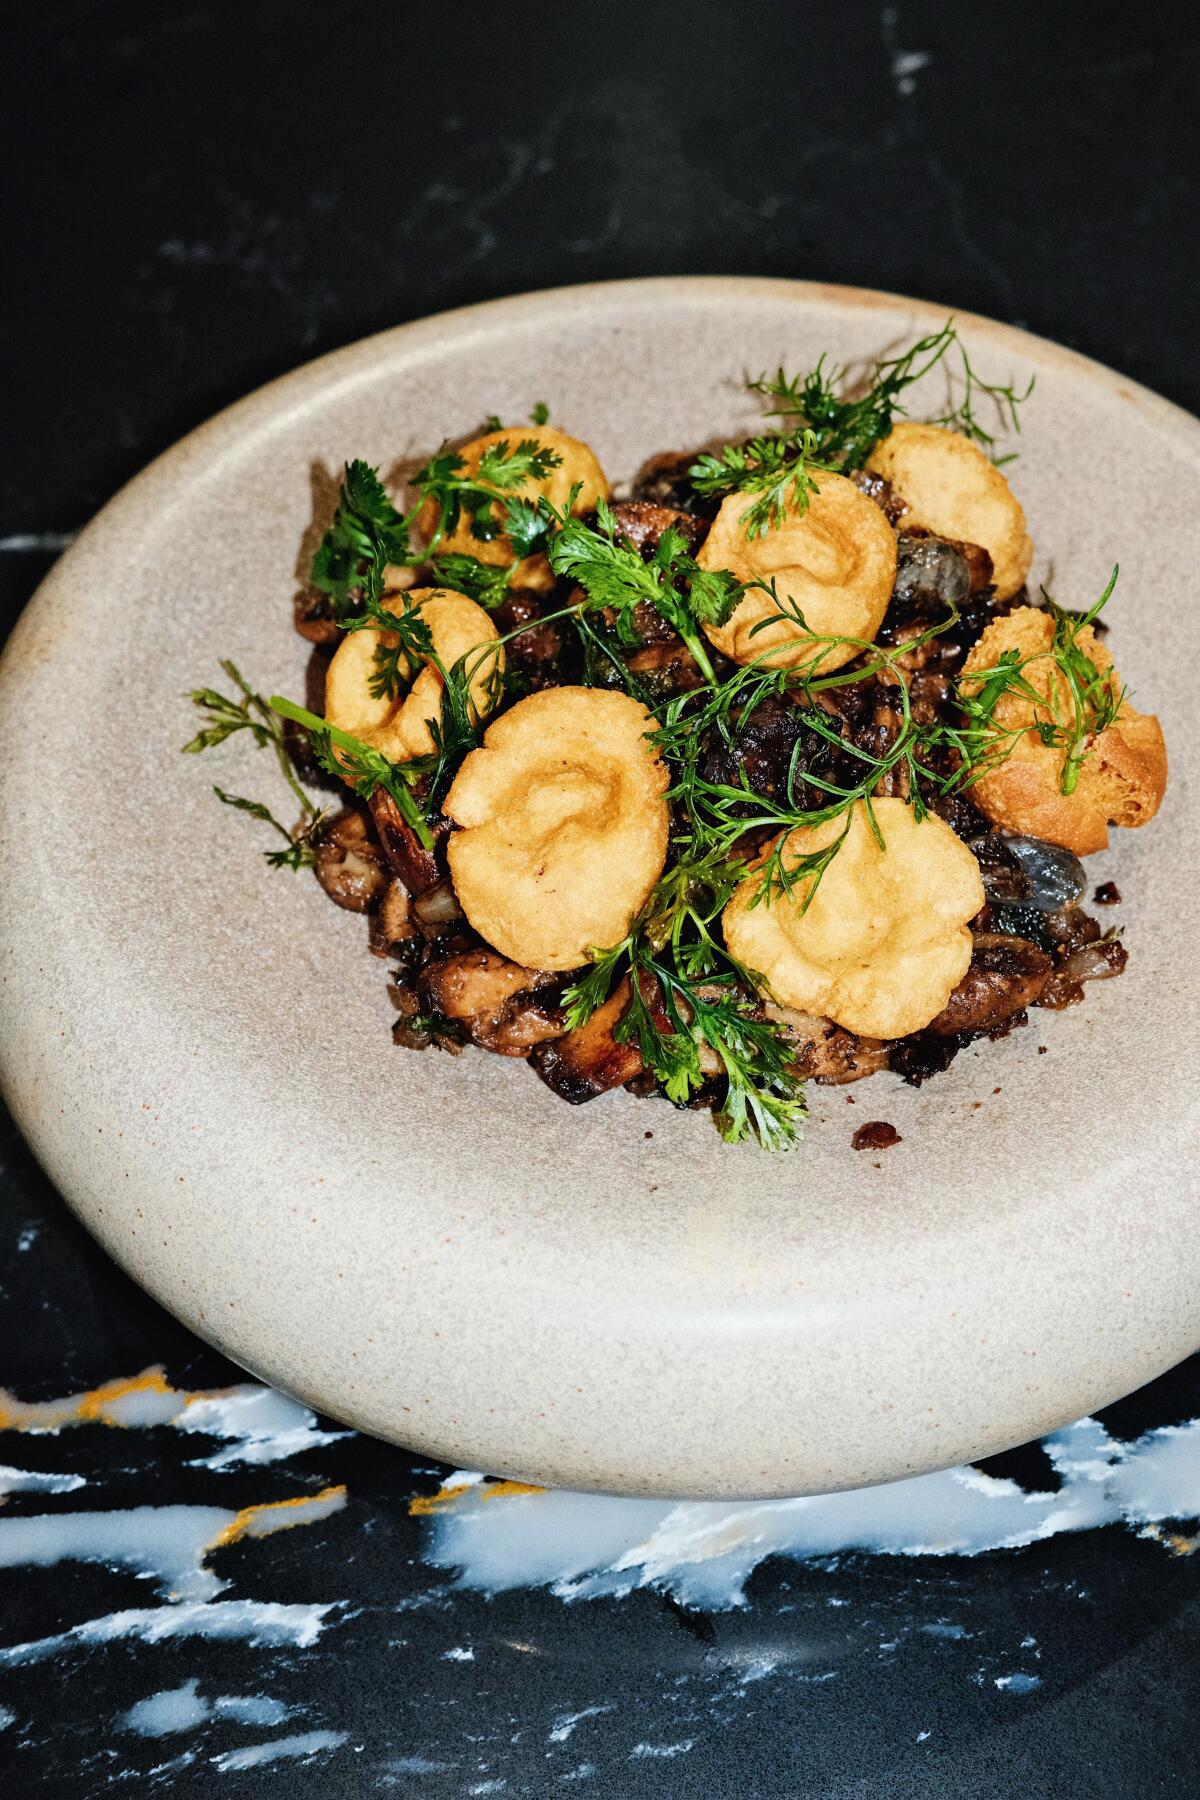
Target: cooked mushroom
(392,932)
(1088,962)
(589,1061)
(665,479)
(499,1005)
(417,867)
(892,505)
(349,862)
(537,649)
(825,1052)
(665,670)
(1005,976)
(313,617)
(643,523)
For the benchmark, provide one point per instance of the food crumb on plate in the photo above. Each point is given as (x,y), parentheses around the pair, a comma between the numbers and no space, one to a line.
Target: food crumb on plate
(876,1134)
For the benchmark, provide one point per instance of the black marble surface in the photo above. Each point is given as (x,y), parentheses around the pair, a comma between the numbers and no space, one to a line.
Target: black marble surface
(198,197)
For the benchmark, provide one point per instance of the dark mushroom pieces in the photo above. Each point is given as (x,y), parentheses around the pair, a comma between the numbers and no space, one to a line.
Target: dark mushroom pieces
(1098,961)
(537,649)
(313,617)
(349,862)
(642,523)
(663,671)
(824,1052)
(589,1061)
(666,481)
(417,867)
(392,931)
(1006,975)
(498,1004)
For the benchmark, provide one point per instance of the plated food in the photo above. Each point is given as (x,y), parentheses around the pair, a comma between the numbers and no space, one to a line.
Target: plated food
(769,770)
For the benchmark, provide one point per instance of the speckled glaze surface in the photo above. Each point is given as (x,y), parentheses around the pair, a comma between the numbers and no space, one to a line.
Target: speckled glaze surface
(438,1250)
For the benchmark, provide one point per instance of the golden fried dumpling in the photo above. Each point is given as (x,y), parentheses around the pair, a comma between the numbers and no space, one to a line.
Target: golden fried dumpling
(563,826)
(836,562)
(398,724)
(884,940)
(955,491)
(1123,775)
(577,464)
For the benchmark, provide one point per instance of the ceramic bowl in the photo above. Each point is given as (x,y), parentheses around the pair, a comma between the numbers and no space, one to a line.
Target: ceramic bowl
(438,1250)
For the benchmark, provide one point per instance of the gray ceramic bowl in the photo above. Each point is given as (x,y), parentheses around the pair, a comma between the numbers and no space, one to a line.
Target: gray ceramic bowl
(438,1250)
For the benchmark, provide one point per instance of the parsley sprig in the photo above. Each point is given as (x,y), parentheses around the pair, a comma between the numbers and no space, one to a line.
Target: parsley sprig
(487,499)
(366,536)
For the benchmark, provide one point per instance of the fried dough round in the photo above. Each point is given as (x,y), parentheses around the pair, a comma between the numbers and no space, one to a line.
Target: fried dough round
(577,464)
(884,939)
(1123,775)
(836,562)
(563,826)
(955,491)
(398,724)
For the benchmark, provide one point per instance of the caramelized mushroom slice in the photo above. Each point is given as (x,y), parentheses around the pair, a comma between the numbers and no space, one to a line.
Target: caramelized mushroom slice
(417,867)
(643,523)
(500,1005)
(349,862)
(313,617)
(1006,975)
(589,1061)
(825,1052)
(392,930)
(1088,962)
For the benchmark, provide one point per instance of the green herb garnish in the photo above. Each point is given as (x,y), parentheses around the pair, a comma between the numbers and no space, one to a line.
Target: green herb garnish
(482,498)
(367,534)
(1079,702)
(613,574)
(836,433)
(686,992)
(226,714)
(342,754)
(301,844)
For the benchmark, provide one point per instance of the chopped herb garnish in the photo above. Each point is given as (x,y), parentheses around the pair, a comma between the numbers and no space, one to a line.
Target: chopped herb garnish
(833,432)
(613,574)
(1071,707)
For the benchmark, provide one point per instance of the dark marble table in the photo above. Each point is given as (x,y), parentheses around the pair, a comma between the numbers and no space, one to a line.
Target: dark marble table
(198,197)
